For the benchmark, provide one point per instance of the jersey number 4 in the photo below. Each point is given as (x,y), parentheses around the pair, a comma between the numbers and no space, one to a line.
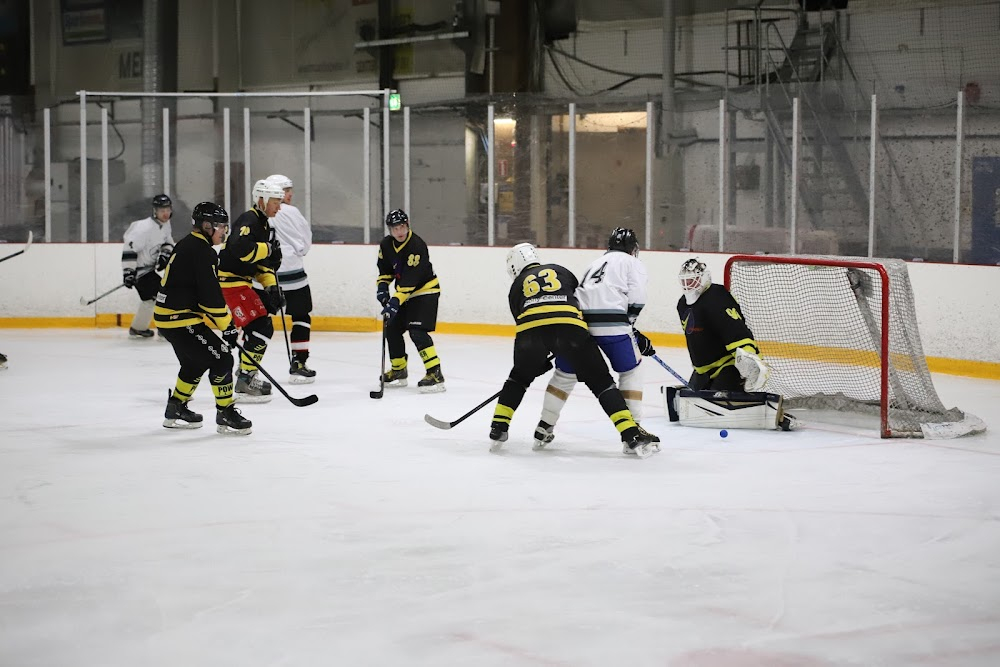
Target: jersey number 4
(598,275)
(530,287)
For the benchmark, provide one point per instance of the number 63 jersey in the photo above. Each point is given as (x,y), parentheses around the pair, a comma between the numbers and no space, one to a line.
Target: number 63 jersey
(545,294)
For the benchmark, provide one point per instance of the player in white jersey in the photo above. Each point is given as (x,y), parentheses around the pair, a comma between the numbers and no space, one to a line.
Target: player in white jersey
(612,293)
(148,244)
(295,236)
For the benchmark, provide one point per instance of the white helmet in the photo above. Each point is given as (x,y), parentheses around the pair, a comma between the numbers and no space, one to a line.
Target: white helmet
(695,278)
(282,181)
(267,190)
(520,257)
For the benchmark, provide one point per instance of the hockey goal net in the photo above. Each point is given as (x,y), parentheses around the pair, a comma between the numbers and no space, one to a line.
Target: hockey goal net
(840,334)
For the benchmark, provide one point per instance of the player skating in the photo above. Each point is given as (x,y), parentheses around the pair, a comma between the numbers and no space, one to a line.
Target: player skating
(549,321)
(148,244)
(295,235)
(190,290)
(611,294)
(252,252)
(413,308)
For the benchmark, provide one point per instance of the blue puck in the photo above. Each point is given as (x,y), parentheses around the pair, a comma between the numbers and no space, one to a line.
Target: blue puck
(723,433)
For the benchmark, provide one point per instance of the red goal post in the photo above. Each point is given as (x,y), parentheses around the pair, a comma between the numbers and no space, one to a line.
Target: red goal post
(841,334)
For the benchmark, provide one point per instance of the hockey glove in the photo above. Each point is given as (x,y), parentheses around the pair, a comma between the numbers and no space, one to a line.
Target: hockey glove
(229,337)
(752,368)
(382,293)
(391,309)
(646,348)
(276,299)
(161,261)
(274,256)
(128,277)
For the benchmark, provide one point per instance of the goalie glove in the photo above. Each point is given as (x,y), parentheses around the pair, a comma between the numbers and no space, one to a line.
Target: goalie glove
(753,369)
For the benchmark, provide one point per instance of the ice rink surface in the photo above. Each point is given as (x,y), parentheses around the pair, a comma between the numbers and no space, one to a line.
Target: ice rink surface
(353,533)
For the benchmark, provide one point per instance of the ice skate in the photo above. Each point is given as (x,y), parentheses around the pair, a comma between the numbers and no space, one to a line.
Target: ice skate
(3,361)
(229,421)
(299,373)
(432,383)
(543,435)
(178,415)
(653,440)
(395,378)
(140,333)
(251,389)
(639,444)
(498,436)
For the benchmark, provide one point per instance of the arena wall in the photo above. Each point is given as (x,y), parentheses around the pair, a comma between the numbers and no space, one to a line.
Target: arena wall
(957,305)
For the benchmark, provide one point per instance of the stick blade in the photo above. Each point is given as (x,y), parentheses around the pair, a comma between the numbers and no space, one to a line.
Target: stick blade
(437,423)
(303,402)
(376,394)
(31,236)
(83,301)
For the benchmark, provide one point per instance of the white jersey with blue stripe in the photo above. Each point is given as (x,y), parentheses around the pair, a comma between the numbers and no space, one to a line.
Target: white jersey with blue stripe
(612,293)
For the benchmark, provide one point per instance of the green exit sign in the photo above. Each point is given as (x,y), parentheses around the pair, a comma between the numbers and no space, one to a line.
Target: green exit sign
(395,103)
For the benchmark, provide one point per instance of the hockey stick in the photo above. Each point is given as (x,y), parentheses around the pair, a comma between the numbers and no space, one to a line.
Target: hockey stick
(297,402)
(443,425)
(381,377)
(22,250)
(284,327)
(671,371)
(85,302)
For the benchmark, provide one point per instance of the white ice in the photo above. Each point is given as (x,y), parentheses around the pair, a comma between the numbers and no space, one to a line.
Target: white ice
(353,533)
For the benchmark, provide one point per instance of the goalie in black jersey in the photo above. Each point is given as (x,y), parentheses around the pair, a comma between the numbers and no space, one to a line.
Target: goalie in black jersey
(549,322)
(189,291)
(723,351)
(403,256)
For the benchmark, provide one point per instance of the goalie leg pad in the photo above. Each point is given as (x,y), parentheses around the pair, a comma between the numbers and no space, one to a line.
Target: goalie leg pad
(724,409)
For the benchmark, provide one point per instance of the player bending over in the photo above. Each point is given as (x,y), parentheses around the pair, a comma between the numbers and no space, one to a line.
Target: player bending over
(549,321)
(611,295)
(190,289)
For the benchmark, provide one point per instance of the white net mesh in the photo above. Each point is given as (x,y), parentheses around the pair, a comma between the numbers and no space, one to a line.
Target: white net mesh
(820,322)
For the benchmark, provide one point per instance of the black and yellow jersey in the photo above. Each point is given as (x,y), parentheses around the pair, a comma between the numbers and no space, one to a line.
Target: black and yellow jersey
(714,328)
(244,255)
(545,294)
(190,286)
(409,264)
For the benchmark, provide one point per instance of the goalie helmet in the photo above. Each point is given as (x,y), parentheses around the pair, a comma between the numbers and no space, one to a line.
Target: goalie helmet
(265,189)
(694,278)
(521,257)
(624,240)
(397,217)
(281,181)
(211,213)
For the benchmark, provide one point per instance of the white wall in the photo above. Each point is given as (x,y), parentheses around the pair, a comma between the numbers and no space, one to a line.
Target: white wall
(956,305)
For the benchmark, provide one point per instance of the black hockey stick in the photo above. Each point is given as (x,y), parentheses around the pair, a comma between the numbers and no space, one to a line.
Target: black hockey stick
(284,327)
(443,425)
(21,251)
(381,377)
(85,302)
(671,371)
(297,402)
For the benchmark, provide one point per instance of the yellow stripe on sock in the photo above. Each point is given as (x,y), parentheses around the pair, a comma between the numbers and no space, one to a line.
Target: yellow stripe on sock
(398,364)
(429,355)
(184,390)
(623,420)
(503,414)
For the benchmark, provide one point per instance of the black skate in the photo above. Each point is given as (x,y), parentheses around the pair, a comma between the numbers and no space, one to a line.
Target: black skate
(229,421)
(251,389)
(543,435)
(3,361)
(299,373)
(395,378)
(638,443)
(178,415)
(654,440)
(432,383)
(140,333)
(498,436)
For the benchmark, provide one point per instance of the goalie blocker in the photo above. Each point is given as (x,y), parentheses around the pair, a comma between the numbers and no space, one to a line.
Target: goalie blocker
(726,409)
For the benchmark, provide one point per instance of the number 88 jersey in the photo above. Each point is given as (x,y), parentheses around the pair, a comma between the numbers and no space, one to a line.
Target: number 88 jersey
(545,294)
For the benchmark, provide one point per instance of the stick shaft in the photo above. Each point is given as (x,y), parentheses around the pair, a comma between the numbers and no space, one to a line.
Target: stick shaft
(671,371)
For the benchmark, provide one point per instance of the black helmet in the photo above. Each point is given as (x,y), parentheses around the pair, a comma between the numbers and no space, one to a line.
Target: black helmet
(209,212)
(162,201)
(625,240)
(397,217)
